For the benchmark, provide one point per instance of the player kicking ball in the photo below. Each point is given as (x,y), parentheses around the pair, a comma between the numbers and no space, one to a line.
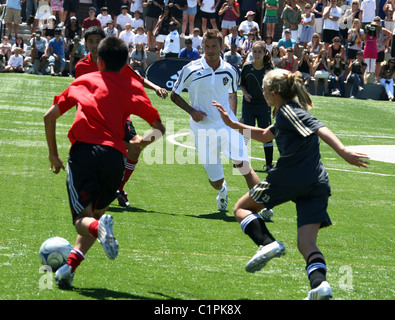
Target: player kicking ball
(97,157)
(299,176)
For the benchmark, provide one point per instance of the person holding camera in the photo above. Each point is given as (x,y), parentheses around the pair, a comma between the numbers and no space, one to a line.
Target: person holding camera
(231,11)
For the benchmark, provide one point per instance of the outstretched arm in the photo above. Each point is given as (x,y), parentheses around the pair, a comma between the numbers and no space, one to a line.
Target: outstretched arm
(262,135)
(354,158)
(50,117)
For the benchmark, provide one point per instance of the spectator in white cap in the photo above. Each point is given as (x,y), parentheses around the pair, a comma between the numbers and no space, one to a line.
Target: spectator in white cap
(246,25)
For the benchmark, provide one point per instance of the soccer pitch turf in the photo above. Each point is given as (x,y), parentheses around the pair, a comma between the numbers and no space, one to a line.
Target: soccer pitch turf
(174,244)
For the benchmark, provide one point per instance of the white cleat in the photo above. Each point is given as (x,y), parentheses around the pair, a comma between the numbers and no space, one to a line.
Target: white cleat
(264,255)
(106,236)
(222,198)
(322,292)
(266,215)
(64,277)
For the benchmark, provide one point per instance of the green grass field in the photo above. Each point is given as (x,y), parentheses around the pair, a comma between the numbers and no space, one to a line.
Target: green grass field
(174,244)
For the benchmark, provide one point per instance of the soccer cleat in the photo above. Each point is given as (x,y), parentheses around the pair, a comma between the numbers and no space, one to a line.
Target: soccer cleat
(264,255)
(106,236)
(322,292)
(266,215)
(64,277)
(222,197)
(123,199)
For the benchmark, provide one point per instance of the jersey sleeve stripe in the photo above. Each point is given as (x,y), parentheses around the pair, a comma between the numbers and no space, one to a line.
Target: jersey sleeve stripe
(295,121)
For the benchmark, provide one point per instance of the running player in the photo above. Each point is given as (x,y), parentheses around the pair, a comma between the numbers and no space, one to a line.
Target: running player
(299,176)
(93,36)
(98,153)
(207,79)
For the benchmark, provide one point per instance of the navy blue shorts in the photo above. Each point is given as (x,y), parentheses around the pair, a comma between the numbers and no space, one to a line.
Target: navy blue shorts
(311,202)
(94,174)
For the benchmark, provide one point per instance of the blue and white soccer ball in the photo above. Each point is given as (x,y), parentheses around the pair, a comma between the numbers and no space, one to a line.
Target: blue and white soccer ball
(54,252)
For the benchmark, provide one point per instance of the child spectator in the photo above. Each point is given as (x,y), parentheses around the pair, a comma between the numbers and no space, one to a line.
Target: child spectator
(104,17)
(196,39)
(138,58)
(15,63)
(6,48)
(91,20)
(110,30)
(289,61)
(141,36)
(127,35)
(137,21)
(123,18)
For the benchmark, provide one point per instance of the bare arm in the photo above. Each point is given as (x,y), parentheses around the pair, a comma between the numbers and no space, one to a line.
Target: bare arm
(157,131)
(50,117)
(179,101)
(160,92)
(256,133)
(233,102)
(351,157)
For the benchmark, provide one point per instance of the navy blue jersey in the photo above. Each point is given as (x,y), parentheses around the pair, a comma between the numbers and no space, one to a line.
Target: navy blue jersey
(300,161)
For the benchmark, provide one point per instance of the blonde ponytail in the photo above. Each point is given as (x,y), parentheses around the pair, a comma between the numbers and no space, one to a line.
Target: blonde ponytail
(289,86)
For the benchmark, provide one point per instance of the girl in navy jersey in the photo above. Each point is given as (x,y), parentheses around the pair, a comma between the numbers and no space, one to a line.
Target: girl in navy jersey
(299,176)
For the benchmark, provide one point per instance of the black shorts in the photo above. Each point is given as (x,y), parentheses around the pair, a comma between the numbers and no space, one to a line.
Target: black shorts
(94,174)
(114,7)
(130,131)
(253,114)
(311,202)
(328,35)
(380,56)
(71,5)
(208,15)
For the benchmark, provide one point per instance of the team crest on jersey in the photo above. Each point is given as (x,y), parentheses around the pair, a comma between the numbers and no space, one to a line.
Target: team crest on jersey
(225,80)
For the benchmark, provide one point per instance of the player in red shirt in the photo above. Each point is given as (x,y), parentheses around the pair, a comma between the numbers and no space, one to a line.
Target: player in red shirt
(98,153)
(88,64)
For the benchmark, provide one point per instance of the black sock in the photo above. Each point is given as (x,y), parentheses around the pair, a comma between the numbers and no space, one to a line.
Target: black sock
(316,271)
(256,229)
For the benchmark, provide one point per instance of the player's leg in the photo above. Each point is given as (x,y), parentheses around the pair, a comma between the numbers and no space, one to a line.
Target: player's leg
(208,146)
(248,173)
(133,158)
(246,213)
(312,215)
(315,262)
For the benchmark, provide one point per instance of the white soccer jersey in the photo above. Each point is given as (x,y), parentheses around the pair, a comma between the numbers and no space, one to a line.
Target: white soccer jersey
(205,85)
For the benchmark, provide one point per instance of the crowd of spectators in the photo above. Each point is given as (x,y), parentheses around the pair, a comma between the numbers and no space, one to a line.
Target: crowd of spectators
(332,41)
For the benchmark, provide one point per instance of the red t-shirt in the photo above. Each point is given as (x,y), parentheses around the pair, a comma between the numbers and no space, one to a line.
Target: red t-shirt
(105,100)
(87,65)
(87,23)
